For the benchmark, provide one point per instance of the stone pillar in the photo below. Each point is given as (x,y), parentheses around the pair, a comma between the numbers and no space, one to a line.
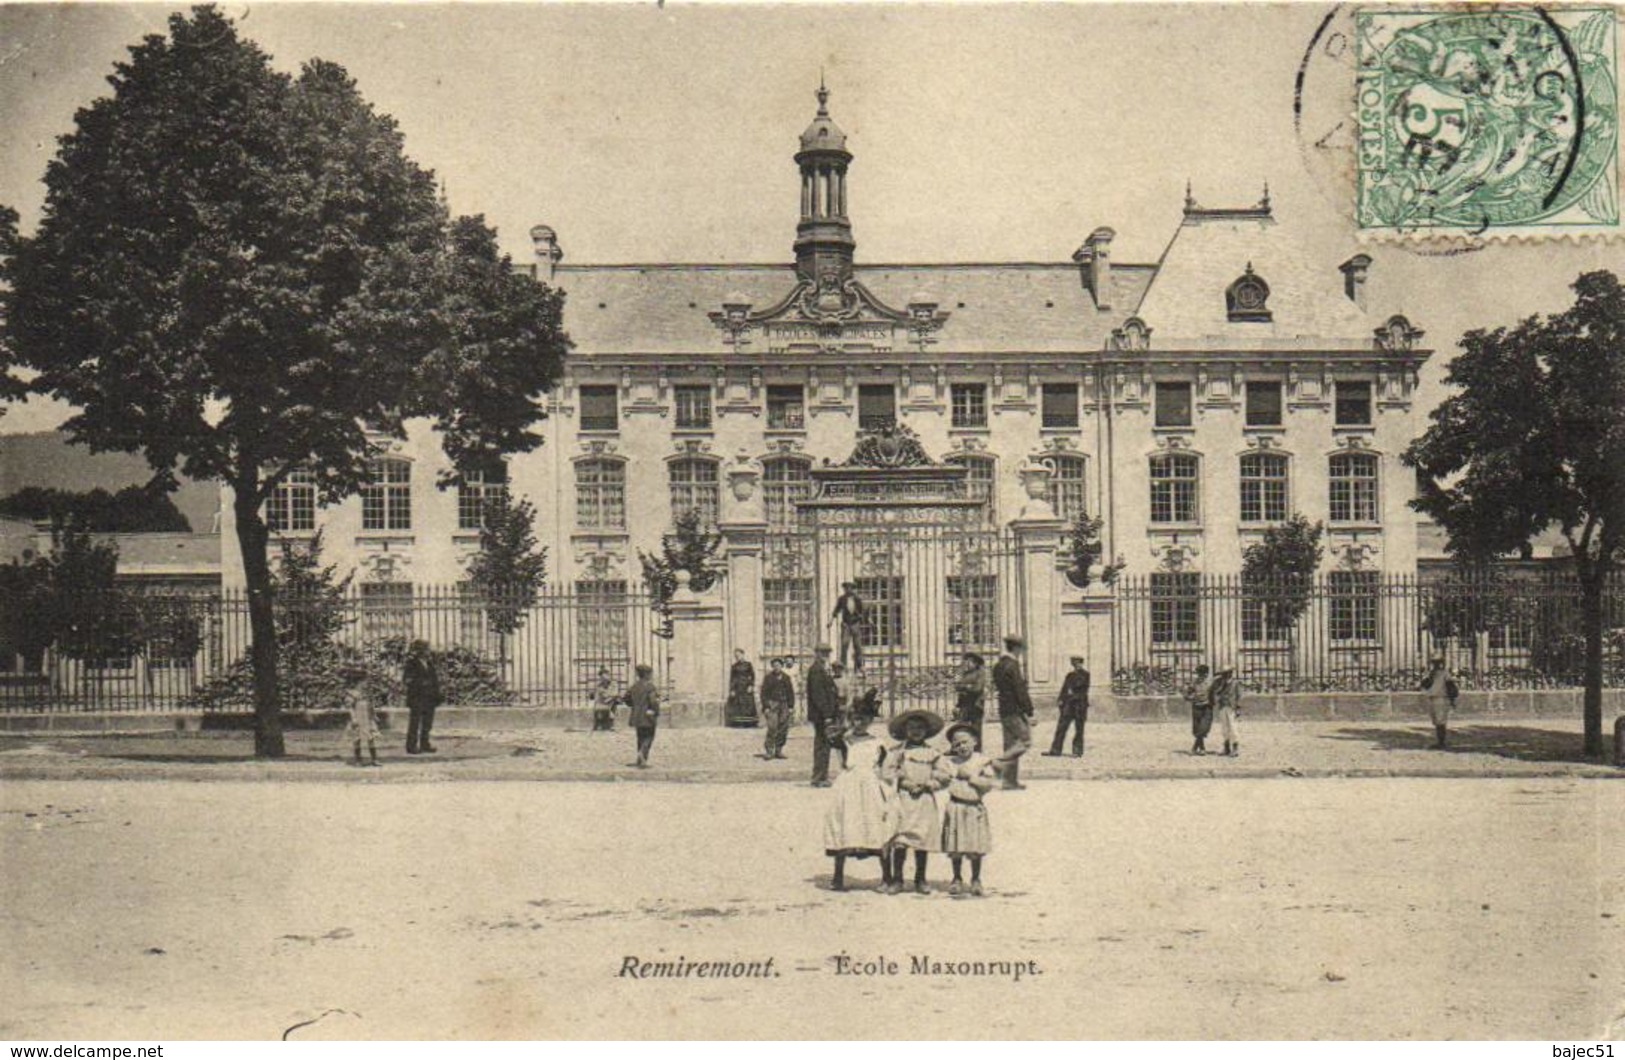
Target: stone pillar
(699,663)
(744,532)
(1038,536)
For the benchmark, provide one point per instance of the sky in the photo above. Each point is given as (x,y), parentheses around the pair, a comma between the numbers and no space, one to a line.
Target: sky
(998,132)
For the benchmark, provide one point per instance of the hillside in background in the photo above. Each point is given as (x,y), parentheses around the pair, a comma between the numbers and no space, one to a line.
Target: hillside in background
(48,459)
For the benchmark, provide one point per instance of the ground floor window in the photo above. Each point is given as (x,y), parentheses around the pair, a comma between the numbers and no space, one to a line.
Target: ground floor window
(973,611)
(790,626)
(386,610)
(601,638)
(885,600)
(1176,608)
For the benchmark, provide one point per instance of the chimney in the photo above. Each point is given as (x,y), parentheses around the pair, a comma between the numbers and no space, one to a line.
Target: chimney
(548,254)
(1094,261)
(1354,273)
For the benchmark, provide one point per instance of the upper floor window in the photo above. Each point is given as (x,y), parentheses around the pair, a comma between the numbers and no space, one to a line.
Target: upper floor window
(1060,405)
(482,486)
(1353,488)
(694,485)
(1069,486)
(292,506)
(1353,404)
(980,481)
(968,404)
(1264,404)
(786,407)
(1248,297)
(1173,404)
(386,499)
(1263,487)
(785,480)
(693,408)
(601,495)
(877,407)
(600,410)
(1175,478)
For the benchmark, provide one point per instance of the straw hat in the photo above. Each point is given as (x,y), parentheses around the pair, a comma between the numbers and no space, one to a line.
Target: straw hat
(961,726)
(898,726)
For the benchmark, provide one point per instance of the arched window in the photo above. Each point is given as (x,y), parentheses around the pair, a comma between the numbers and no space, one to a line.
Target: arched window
(292,506)
(981,481)
(601,495)
(1353,482)
(694,485)
(482,486)
(1263,487)
(785,480)
(1175,486)
(386,498)
(1069,485)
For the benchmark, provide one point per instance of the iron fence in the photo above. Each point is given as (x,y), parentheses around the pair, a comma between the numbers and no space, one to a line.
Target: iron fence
(147,651)
(1356,631)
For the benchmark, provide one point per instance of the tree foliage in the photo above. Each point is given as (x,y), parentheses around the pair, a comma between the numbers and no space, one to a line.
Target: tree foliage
(311,609)
(1279,570)
(510,568)
(1534,437)
(240,273)
(692,546)
(133,509)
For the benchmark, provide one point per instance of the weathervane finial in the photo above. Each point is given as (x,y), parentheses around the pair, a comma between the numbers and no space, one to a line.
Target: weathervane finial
(823,95)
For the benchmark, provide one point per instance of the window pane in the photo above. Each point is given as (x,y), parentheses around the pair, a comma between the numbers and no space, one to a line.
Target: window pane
(786,408)
(1353,404)
(877,407)
(1353,610)
(598,409)
(477,489)
(1069,486)
(693,407)
(386,610)
(1173,404)
(885,599)
(788,621)
(980,484)
(601,495)
(386,499)
(1264,404)
(1175,608)
(1060,404)
(968,403)
(694,486)
(1353,488)
(784,482)
(973,615)
(1174,488)
(1263,487)
(601,638)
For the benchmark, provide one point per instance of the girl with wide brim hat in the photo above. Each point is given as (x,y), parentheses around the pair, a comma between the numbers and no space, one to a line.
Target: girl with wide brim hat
(898,726)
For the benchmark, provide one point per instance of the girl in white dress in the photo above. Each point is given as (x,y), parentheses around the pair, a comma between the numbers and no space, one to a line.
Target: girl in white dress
(861,818)
(965,829)
(919,771)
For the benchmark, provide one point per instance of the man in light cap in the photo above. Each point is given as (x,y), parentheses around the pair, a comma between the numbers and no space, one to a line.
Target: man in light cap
(1073,707)
(1015,710)
(823,709)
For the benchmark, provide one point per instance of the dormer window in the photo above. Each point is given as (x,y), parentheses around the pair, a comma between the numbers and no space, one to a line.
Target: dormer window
(1247,299)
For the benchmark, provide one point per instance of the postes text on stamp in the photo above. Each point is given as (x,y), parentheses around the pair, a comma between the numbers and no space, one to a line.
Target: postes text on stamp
(1484,122)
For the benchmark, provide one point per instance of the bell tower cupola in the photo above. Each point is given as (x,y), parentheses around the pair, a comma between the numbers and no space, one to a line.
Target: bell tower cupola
(824,242)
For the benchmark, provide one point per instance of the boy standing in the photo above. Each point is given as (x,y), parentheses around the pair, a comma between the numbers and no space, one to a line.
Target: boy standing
(643,698)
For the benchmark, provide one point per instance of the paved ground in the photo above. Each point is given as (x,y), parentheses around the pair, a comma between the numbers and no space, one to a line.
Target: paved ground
(1479,748)
(1281,908)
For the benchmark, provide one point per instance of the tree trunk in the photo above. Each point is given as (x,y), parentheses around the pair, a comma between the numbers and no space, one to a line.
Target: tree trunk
(1591,593)
(252,540)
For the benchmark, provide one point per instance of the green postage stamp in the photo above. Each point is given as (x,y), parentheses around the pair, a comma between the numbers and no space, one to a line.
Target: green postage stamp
(1488,121)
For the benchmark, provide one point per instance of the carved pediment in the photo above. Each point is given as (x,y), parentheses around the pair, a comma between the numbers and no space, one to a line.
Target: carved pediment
(831,315)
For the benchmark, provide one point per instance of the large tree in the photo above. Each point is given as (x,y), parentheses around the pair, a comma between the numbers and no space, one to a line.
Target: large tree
(1533,437)
(240,273)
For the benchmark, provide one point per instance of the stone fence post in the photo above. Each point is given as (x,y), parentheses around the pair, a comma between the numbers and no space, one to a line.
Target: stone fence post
(699,662)
(1038,535)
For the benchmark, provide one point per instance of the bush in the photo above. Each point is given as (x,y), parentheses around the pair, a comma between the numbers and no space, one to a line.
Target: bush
(311,678)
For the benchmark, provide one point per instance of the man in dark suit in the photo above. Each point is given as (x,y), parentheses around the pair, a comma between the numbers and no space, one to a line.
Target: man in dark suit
(853,615)
(1015,710)
(422,683)
(1074,709)
(778,703)
(643,699)
(823,710)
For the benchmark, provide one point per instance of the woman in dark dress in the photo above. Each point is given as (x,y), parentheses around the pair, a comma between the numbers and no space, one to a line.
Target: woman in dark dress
(741,691)
(970,688)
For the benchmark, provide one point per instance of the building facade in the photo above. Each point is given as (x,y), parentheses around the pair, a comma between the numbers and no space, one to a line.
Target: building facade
(1190,403)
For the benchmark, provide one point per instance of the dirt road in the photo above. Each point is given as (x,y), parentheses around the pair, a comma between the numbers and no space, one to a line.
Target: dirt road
(1289,908)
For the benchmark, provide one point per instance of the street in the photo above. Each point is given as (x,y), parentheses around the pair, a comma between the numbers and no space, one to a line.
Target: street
(1396,907)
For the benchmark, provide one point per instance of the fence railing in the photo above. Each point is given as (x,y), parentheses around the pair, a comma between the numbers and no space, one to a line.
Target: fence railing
(136,651)
(1355,631)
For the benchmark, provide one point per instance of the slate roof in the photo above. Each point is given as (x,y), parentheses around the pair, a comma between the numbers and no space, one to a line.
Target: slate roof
(1210,250)
(166,553)
(1010,307)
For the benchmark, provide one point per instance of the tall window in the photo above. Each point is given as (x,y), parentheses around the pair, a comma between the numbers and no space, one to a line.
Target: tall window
(1352,614)
(694,485)
(386,499)
(1060,403)
(487,485)
(784,482)
(693,408)
(1263,487)
(601,495)
(885,600)
(786,407)
(968,404)
(1173,404)
(1174,481)
(877,406)
(789,623)
(386,610)
(1353,487)
(600,409)
(1353,404)
(600,625)
(1069,486)
(980,481)
(292,506)
(1176,608)
(1264,404)
(973,611)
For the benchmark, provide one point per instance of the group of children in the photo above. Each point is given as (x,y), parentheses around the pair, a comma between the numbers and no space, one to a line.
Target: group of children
(886,800)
